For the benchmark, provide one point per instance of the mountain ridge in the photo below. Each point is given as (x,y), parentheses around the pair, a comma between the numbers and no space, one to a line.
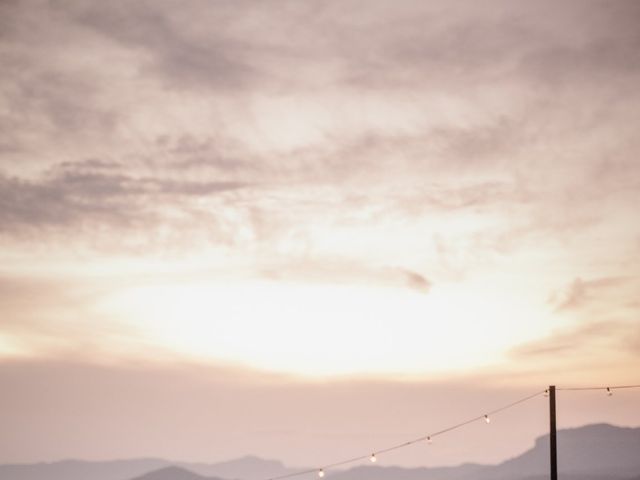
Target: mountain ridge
(172,473)
(591,452)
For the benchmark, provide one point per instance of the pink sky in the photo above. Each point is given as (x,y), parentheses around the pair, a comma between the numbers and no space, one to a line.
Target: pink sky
(296,229)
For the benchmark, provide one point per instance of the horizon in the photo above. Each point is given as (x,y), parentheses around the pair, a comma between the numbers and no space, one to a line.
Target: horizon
(251,456)
(301,228)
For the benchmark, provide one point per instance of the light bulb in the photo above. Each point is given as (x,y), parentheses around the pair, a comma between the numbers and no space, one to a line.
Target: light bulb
(429,441)
(373,458)
(321,473)
(546,392)
(487,419)
(609,392)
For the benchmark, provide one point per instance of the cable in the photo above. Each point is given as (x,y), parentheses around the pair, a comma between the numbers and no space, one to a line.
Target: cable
(484,416)
(598,388)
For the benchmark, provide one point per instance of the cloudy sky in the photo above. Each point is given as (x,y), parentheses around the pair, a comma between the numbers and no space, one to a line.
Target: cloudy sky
(303,228)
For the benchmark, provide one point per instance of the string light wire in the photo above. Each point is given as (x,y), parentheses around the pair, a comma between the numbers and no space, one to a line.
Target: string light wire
(320,471)
(607,387)
(428,437)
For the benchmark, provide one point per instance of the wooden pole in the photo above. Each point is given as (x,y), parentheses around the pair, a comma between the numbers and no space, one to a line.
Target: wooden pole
(553,446)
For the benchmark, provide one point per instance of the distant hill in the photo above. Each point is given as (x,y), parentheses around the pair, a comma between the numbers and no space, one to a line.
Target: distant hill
(598,450)
(82,470)
(173,473)
(593,452)
(244,468)
(378,472)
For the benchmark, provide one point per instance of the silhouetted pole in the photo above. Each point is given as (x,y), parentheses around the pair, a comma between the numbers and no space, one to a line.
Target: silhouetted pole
(553,448)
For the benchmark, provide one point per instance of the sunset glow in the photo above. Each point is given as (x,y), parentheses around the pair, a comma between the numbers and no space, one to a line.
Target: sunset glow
(326,329)
(236,228)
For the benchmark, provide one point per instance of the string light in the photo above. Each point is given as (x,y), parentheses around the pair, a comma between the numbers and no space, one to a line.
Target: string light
(321,471)
(617,387)
(429,438)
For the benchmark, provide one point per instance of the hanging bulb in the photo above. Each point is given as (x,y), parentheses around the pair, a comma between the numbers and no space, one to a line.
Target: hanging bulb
(429,441)
(321,473)
(609,392)
(487,419)
(546,392)
(373,458)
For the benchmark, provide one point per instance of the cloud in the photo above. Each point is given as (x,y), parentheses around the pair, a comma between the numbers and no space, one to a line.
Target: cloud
(352,133)
(253,124)
(192,49)
(593,316)
(478,44)
(573,341)
(45,317)
(343,271)
(94,191)
(416,281)
(581,292)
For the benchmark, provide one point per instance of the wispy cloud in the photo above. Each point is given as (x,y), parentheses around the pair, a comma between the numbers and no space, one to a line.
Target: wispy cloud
(413,145)
(75,194)
(581,292)
(603,319)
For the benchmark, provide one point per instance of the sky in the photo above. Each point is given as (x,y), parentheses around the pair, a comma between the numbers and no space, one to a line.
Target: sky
(299,229)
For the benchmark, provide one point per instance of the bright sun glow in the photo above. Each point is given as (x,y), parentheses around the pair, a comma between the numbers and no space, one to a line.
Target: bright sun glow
(11,347)
(324,329)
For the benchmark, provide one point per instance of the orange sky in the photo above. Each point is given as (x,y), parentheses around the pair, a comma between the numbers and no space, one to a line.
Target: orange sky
(288,210)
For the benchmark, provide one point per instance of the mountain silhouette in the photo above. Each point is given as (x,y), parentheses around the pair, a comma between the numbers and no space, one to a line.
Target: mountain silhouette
(246,468)
(82,470)
(173,473)
(599,449)
(249,467)
(592,452)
